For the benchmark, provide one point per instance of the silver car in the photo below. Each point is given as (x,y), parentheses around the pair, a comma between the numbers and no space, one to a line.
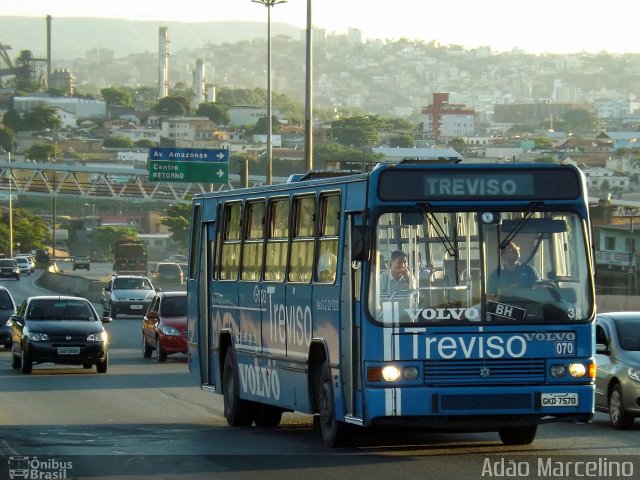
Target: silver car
(618,361)
(127,294)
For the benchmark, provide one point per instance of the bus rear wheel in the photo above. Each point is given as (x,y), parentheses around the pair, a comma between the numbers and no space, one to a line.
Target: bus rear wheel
(518,435)
(334,433)
(237,412)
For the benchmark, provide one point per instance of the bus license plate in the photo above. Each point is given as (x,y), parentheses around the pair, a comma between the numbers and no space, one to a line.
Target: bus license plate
(68,350)
(136,307)
(559,400)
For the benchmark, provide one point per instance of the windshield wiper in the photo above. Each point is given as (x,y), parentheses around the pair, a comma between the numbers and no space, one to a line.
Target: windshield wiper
(533,208)
(442,235)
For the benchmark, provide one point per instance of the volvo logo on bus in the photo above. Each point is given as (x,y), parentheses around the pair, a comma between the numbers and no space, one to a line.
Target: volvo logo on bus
(485,372)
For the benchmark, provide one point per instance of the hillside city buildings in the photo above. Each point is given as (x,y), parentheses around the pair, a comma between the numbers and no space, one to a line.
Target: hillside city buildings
(446,92)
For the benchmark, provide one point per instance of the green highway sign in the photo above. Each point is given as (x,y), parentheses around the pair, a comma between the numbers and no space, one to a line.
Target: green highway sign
(196,165)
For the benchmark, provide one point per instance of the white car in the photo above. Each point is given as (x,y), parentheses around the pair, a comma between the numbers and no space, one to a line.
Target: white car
(31,258)
(23,263)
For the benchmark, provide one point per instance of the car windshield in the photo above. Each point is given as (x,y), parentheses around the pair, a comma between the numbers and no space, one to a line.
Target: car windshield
(132,284)
(60,310)
(174,307)
(629,333)
(7,263)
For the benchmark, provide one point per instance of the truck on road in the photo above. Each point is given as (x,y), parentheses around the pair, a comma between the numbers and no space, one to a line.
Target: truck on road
(130,257)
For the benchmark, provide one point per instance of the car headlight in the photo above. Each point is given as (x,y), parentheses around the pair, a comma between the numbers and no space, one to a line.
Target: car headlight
(37,337)
(634,374)
(97,337)
(170,331)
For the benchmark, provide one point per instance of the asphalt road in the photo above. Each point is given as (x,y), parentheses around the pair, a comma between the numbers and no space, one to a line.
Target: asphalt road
(145,418)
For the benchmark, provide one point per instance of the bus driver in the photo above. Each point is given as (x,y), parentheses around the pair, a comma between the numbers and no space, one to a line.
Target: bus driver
(512,273)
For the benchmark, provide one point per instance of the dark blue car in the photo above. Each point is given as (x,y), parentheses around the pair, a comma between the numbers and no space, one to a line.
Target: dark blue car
(7,308)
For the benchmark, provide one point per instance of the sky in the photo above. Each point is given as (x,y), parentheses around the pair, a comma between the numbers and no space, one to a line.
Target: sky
(538,26)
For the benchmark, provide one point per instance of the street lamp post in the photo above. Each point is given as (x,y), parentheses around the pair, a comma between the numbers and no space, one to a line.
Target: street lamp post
(269,4)
(308,123)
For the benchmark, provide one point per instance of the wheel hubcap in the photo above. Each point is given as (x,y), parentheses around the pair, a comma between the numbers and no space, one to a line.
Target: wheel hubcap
(614,407)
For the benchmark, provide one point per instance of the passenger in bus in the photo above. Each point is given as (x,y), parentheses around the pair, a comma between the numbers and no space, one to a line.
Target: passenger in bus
(512,273)
(327,265)
(398,276)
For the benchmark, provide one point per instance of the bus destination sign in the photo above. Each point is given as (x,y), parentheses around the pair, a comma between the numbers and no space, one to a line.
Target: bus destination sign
(407,185)
(199,165)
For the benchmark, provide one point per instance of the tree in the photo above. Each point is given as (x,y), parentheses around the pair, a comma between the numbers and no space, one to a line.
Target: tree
(7,138)
(335,155)
(44,152)
(541,143)
(178,220)
(105,238)
(217,113)
(117,142)
(41,118)
(404,140)
(13,120)
(145,143)
(29,230)
(359,131)
(261,126)
(173,106)
(117,97)
(458,144)
(578,120)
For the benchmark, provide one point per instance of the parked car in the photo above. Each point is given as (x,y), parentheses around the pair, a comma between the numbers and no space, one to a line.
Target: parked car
(9,268)
(58,329)
(168,273)
(23,263)
(7,309)
(127,294)
(31,258)
(81,261)
(618,373)
(164,328)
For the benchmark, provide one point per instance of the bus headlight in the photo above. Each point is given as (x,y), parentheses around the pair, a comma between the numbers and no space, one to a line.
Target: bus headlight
(390,373)
(558,371)
(577,370)
(410,373)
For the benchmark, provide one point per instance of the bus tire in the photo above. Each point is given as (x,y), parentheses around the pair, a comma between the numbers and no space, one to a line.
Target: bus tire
(237,412)
(267,416)
(334,433)
(518,435)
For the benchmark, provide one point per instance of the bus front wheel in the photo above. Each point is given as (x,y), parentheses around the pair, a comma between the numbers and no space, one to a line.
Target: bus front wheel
(334,433)
(237,412)
(518,435)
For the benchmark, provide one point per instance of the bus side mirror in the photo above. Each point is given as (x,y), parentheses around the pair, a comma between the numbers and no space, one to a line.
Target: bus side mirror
(359,243)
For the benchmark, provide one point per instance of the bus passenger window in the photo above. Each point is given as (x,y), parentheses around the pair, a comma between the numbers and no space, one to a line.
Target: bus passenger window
(230,252)
(253,242)
(277,240)
(328,238)
(301,261)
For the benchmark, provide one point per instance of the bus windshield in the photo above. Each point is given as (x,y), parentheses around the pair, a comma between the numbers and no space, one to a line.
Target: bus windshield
(480,267)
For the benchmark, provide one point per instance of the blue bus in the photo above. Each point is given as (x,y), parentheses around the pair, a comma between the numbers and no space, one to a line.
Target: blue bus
(431,295)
